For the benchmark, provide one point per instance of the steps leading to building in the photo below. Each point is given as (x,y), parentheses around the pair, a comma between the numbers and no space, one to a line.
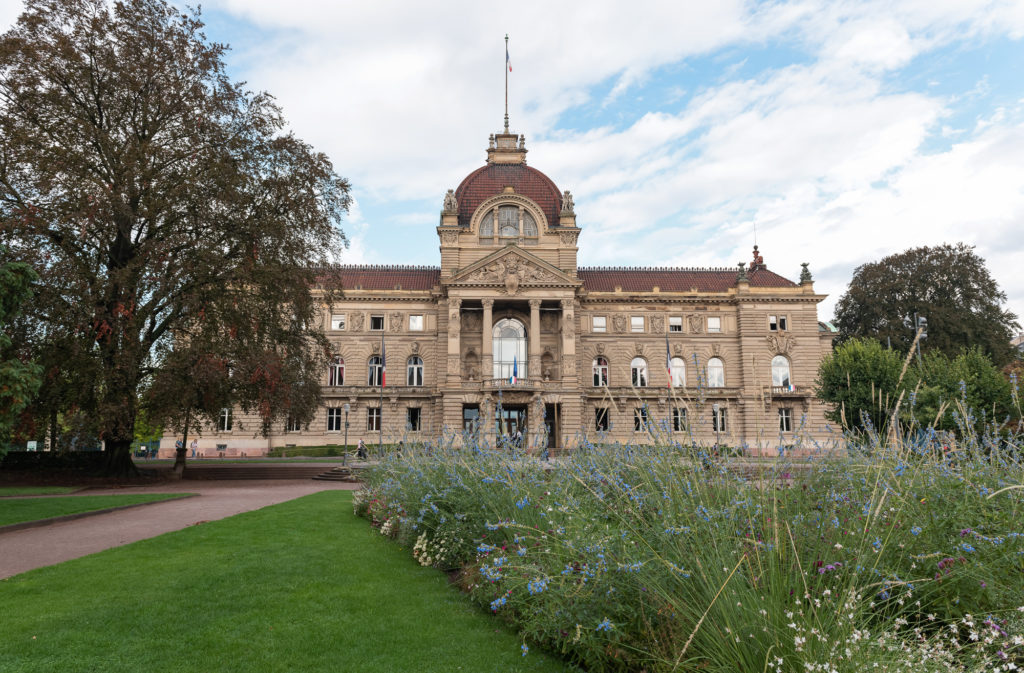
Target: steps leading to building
(338,474)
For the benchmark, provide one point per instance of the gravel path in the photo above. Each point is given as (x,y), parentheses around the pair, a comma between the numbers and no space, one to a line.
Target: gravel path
(24,550)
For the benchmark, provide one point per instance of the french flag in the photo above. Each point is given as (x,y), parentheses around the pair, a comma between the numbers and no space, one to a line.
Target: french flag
(507,61)
(383,363)
(515,371)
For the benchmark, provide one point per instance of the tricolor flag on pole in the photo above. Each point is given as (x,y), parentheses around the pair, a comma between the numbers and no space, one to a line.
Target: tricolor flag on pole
(383,363)
(668,363)
(515,371)
(507,61)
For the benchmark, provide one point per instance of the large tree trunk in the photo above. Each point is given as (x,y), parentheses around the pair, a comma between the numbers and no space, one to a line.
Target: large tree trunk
(118,461)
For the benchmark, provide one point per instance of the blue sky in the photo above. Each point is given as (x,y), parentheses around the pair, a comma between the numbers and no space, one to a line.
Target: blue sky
(839,131)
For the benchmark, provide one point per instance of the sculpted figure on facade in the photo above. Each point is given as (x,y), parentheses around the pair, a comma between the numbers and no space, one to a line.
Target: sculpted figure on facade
(657,324)
(619,323)
(568,207)
(357,322)
(454,322)
(568,319)
(396,322)
(449,238)
(451,204)
(568,237)
(696,323)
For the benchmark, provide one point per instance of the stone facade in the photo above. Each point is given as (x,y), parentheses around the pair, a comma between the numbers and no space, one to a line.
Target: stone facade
(590,357)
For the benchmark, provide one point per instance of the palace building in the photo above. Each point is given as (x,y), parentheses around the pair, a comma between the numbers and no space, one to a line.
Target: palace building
(508,334)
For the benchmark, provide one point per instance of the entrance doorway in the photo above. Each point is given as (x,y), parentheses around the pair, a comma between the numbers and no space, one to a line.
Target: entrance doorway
(510,420)
(553,423)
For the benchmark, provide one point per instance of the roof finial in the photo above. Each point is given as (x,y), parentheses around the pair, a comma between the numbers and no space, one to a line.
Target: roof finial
(508,69)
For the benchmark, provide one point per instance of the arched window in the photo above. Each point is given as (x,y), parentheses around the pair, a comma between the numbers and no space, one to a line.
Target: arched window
(780,371)
(509,341)
(376,373)
(336,372)
(638,372)
(600,372)
(414,371)
(716,373)
(678,372)
(529,225)
(487,226)
(508,222)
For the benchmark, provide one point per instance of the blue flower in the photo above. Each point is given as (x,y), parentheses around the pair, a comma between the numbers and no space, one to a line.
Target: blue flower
(605,625)
(525,649)
(498,602)
(916,530)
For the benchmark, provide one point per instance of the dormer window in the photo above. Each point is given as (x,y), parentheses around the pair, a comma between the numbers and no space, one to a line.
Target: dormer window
(514,225)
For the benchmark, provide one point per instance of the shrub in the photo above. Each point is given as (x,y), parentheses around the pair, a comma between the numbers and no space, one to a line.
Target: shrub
(627,557)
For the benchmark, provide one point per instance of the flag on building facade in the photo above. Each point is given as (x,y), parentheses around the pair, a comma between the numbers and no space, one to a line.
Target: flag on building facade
(383,363)
(668,363)
(515,371)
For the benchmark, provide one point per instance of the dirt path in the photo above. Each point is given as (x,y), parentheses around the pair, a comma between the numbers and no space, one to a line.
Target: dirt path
(24,550)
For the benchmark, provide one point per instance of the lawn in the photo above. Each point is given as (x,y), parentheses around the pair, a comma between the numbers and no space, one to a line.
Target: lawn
(33,509)
(301,586)
(6,491)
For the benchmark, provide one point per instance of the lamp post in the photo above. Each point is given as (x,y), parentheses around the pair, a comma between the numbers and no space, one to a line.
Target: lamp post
(344,453)
(717,419)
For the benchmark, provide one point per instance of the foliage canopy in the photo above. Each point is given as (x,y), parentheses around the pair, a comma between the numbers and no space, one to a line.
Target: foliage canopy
(164,209)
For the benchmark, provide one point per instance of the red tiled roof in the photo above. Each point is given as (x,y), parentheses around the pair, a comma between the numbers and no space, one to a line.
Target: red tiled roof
(645,279)
(491,179)
(383,277)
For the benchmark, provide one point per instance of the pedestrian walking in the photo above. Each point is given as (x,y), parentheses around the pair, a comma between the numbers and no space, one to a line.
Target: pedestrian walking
(195,445)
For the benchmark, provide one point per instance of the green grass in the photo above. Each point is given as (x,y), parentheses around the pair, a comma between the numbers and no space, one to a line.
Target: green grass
(301,586)
(35,490)
(33,509)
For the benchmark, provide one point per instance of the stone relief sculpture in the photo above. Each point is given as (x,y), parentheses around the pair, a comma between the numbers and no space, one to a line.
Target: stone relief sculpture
(779,345)
(657,324)
(415,347)
(472,321)
(511,271)
(396,322)
(470,366)
(548,322)
(619,323)
(568,237)
(696,323)
(357,322)
(451,204)
(454,322)
(569,320)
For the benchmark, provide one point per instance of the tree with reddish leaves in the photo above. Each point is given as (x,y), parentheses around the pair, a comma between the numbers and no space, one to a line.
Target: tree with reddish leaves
(164,209)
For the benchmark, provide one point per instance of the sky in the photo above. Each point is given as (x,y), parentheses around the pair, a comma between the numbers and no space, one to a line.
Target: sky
(833,133)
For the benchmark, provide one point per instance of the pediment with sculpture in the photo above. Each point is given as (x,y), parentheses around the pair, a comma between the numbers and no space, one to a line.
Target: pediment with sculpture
(512,269)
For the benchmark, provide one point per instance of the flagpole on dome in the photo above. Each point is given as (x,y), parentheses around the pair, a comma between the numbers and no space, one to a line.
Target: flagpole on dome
(508,69)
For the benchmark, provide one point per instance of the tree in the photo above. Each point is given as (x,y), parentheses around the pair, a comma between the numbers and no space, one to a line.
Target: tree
(948,285)
(861,380)
(967,391)
(19,379)
(160,203)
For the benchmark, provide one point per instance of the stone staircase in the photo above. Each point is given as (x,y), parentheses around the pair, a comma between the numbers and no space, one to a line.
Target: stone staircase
(338,474)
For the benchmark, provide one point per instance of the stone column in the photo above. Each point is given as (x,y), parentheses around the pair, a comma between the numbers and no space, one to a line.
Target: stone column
(454,341)
(534,370)
(487,346)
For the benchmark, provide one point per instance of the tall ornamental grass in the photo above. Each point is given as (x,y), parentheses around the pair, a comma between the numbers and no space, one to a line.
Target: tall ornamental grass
(905,554)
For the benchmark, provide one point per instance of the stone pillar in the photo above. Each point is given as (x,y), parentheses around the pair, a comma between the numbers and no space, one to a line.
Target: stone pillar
(568,342)
(487,346)
(534,370)
(454,341)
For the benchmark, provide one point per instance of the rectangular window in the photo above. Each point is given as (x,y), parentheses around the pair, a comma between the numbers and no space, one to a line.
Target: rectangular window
(718,420)
(785,420)
(293,425)
(600,323)
(636,323)
(601,419)
(678,419)
(782,323)
(714,325)
(675,323)
(412,419)
(377,323)
(225,421)
(640,419)
(333,419)
(338,321)
(415,323)
(773,323)
(470,418)
(373,418)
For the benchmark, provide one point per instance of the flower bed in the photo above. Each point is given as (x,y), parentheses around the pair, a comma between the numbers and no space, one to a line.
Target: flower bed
(641,558)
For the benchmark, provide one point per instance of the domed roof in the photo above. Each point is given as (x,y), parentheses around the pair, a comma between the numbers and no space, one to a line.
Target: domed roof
(491,180)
